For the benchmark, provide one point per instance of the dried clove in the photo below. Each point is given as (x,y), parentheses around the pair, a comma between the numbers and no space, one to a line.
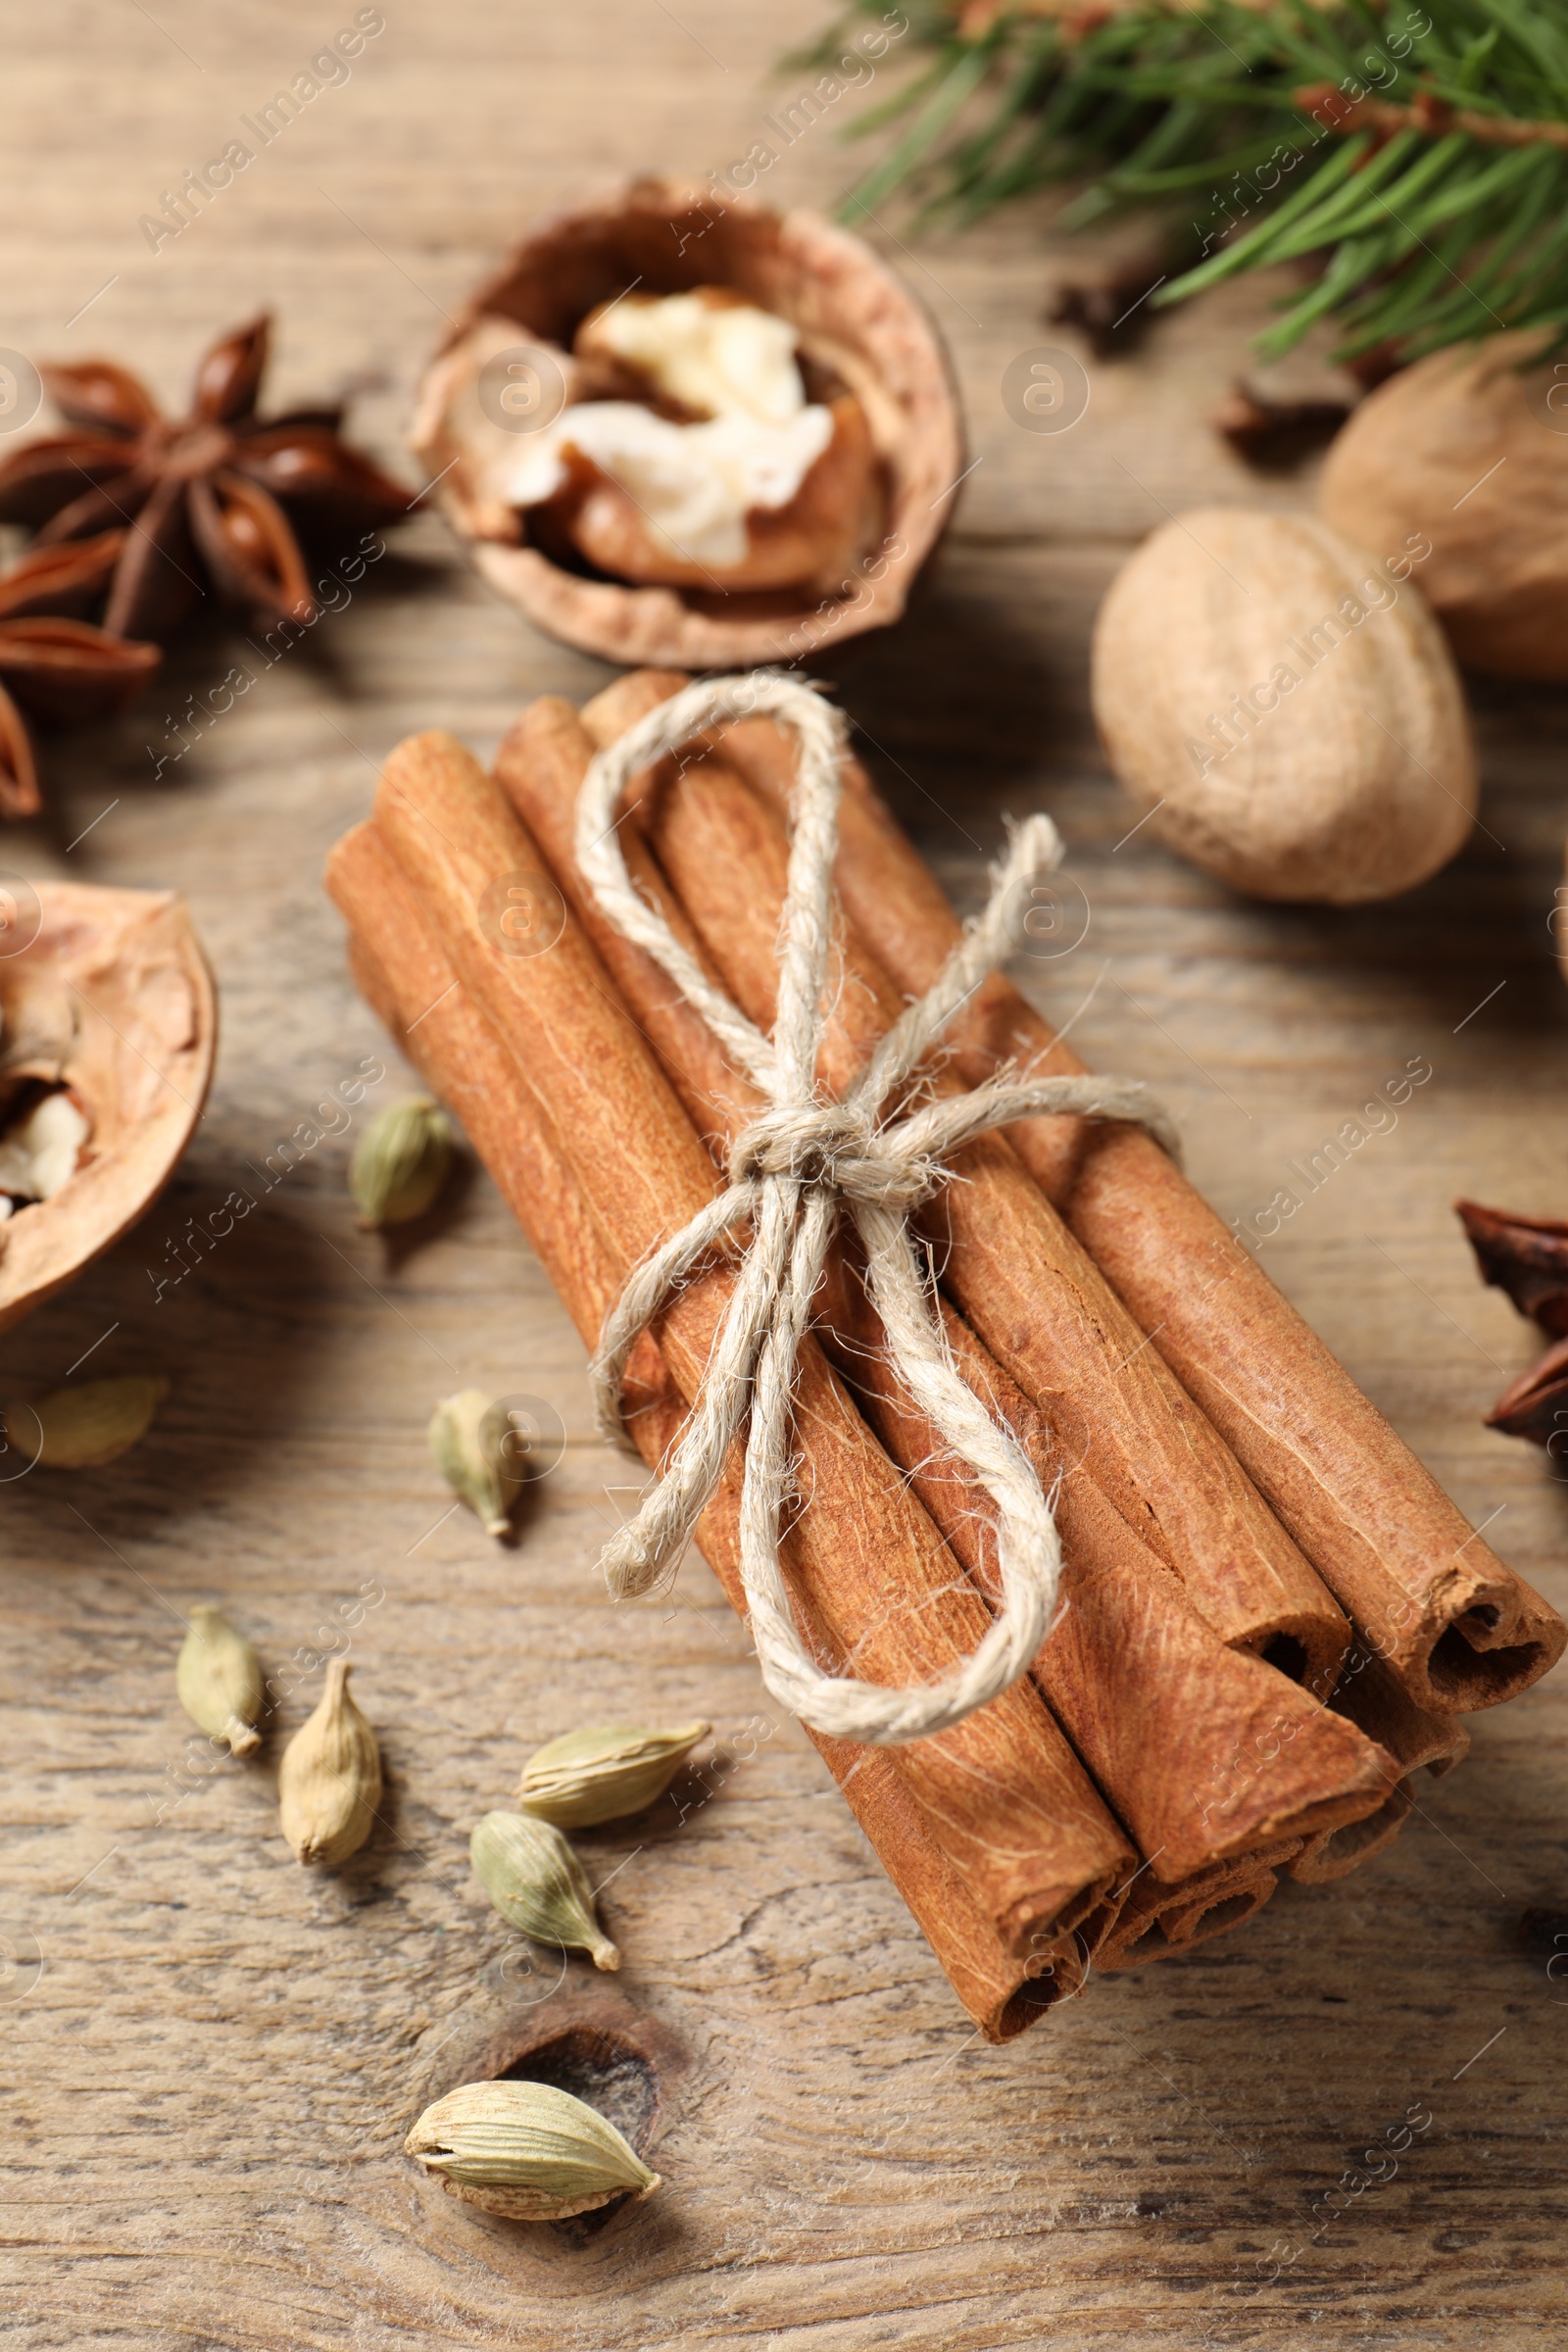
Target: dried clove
(1112,311)
(1273,436)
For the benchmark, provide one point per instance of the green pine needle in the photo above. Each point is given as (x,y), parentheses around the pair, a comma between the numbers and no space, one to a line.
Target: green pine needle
(1414,233)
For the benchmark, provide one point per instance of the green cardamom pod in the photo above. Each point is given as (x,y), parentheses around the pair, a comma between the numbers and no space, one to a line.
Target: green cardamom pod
(467,1440)
(330,1781)
(536,1882)
(401,1162)
(219,1678)
(601,1775)
(89,1424)
(526,2150)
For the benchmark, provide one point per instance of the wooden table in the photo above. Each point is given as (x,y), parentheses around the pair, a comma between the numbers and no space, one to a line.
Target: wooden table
(207,2085)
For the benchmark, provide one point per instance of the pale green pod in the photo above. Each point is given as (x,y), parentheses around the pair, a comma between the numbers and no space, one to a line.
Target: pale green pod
(526,2150)
(401,1162)
(536,1882)
(603,1773)
(219,1678)
(330,1781)
(89,1425)
(465,1442)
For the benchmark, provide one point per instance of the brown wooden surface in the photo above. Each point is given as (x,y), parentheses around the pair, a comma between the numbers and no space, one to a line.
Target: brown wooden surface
(207,2085)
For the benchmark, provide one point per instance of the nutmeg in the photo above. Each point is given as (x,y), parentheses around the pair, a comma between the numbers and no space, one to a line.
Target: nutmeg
(1463,459)
(1283,709)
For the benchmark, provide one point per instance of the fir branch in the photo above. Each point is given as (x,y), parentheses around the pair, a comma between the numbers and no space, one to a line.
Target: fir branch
(1414,157)
(1430,113)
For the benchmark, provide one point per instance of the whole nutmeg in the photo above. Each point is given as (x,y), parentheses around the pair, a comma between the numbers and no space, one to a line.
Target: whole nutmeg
(1282,709)
(1465,456)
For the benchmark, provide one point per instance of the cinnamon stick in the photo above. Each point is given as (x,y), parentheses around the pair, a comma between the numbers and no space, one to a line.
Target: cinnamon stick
(1157,1921)
(1207,1754)
(1459,1629)
(1371,1696)
(1023,1282)
(1007,1800)
(1156,1706)
(404,977)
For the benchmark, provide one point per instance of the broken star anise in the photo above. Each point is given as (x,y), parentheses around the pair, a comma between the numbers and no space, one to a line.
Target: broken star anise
(221,500)
(55,665)
(1535,1404)
(1528,1257)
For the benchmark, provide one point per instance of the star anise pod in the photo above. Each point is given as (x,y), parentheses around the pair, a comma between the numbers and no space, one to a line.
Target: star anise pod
(1535,1404)
(221,500)
(1526,1256)
(56,666)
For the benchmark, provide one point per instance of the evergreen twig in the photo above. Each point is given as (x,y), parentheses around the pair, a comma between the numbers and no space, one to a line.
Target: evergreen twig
(1413,153)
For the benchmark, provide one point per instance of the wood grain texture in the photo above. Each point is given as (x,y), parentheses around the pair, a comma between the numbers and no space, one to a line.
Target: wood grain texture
(207,2085)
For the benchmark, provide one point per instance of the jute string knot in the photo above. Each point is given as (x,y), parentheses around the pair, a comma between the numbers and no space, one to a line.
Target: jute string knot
(836,1145)
(799,1166)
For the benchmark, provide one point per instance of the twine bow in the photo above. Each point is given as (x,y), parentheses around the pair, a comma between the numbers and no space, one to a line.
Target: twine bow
(797,1166)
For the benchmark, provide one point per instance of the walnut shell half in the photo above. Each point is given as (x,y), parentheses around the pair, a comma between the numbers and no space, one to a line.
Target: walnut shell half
(107,992)
(860,330)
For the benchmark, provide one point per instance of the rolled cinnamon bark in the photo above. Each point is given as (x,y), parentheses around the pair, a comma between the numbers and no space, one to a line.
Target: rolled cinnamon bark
(1459,1628)
(1154,1922)
(1154,1703)
(1023,1282)
(404,977)
(1207,1753)
(1009,1803)
(1372,1698)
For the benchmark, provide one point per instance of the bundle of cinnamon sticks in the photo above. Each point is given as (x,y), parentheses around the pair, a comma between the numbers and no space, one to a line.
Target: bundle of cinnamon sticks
(1275,1616)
